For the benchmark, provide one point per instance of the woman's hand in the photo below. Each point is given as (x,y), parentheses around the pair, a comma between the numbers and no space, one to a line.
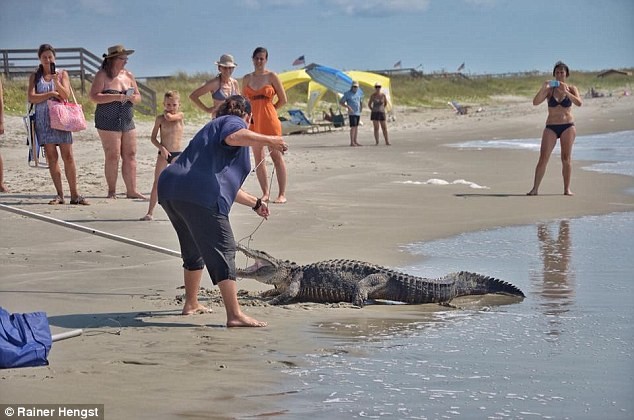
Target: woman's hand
(263,211)
(279,144)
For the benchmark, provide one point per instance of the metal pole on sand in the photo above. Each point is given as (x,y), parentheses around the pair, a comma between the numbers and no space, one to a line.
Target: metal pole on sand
(67,334)
(91,231)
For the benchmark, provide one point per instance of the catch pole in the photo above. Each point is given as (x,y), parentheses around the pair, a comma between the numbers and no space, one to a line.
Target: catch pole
(91,231)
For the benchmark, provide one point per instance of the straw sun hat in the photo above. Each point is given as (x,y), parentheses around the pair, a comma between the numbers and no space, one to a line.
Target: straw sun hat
(116,51)
(226,60)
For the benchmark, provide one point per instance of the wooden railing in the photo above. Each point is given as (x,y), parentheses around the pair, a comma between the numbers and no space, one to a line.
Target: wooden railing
(78,62)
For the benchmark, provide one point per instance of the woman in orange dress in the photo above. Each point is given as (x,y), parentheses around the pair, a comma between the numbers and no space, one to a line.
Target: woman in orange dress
(260,87)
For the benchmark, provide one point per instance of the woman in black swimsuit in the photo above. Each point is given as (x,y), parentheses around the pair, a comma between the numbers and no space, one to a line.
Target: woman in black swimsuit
(559,124)
(115,91)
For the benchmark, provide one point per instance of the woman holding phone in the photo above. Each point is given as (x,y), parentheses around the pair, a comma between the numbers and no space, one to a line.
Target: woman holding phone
(45,84)
(559,124)
(115,91)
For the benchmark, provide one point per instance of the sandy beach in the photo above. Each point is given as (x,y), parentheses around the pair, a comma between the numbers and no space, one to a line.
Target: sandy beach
(141,359)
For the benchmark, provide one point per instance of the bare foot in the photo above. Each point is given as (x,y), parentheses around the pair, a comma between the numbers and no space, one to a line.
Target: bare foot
(147,217)
(135,195)
(245,321)
(531,192)
(199,310)
(387,143)
(112,195)
(280,200)
(3,188)
(265,198)
(569,193)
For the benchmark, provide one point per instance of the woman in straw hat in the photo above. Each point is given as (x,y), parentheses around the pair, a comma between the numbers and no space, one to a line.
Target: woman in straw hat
(115,91)
(221,87)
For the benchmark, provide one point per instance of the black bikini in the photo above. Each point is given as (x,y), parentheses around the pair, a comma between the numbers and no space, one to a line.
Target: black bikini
(565,103)
(559,129)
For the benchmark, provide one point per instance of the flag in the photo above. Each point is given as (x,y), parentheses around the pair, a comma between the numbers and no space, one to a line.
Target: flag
(299,61)
(397,65)
(461,67)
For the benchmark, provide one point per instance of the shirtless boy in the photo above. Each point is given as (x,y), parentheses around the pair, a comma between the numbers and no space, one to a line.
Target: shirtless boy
(170,126)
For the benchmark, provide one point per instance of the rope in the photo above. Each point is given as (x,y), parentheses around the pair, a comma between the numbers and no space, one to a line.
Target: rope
(263,161)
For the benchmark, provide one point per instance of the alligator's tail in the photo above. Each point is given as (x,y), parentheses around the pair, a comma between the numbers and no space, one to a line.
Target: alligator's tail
(466,283)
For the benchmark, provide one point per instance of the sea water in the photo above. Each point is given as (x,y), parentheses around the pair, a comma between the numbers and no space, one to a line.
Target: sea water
(564,352)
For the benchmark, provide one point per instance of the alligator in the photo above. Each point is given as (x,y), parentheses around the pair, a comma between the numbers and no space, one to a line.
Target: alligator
(356,282)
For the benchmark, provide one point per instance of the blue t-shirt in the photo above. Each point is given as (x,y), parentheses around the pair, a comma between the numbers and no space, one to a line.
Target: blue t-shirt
(209,172)
(353,100)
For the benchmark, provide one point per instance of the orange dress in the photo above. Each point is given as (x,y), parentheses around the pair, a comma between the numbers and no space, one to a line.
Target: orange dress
(265,120)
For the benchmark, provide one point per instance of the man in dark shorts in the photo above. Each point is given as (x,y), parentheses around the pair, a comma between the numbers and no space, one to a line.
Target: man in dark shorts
(353,100)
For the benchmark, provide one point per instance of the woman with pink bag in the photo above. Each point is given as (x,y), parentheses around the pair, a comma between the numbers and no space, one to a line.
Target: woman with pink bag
(45,84)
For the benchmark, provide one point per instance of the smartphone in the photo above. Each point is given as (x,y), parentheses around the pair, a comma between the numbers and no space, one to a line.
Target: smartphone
(53,71)
(129,92)
(554,83)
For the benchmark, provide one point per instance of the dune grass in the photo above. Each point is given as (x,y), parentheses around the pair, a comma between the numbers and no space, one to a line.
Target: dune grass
(424,92)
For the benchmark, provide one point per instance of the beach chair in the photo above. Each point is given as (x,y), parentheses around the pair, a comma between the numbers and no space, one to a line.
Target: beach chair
(338,120)
(36,151)
(290,127)
(299,123)
(459,109)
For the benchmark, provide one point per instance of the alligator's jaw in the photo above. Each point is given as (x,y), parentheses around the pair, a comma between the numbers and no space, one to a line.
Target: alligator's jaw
(257,255)
(253,268)
(264,267)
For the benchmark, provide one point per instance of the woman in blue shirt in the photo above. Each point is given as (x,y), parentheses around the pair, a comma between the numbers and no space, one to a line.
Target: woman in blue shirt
(197,191)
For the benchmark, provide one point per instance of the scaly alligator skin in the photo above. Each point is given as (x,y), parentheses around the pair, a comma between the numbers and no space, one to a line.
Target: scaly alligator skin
(355,282)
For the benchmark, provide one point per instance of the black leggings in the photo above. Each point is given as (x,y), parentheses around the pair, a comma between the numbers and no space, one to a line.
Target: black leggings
(205,238)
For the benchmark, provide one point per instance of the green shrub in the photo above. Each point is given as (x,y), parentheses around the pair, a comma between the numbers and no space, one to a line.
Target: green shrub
(426,91)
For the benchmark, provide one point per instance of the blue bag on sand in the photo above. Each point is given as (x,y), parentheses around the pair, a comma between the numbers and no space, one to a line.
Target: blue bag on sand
(25,339)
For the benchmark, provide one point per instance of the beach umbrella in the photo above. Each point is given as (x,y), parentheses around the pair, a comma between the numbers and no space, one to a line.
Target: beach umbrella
(333,79)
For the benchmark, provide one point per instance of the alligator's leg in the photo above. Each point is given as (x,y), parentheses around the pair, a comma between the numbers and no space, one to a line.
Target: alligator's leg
(291,292)
(368,286)
(269,293)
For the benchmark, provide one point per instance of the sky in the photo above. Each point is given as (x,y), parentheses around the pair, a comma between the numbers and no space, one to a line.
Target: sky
(489,36)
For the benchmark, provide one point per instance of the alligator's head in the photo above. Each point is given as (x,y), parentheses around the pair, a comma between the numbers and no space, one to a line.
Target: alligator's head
(266,269)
